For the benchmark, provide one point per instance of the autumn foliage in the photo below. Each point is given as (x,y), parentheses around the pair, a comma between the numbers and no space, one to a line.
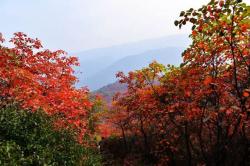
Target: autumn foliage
(194,114)
(198,113)
(42,79)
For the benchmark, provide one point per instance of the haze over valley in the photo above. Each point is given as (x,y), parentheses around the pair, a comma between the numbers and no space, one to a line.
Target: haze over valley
(99,66)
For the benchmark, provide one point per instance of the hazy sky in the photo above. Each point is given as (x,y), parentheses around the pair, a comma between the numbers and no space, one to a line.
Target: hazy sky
(75,25)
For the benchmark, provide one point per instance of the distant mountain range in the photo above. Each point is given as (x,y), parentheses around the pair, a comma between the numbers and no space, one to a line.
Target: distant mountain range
(99,66)
(169,55)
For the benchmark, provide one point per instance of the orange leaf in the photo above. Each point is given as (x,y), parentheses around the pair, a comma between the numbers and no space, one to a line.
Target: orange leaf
(208,80)
(245,94)
(188,93)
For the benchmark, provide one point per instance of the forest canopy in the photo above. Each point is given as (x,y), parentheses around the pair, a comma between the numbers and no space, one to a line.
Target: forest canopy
(197,113)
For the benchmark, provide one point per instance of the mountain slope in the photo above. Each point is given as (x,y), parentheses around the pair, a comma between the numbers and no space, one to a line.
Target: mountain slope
(95,60)
(108,91)
(168,55)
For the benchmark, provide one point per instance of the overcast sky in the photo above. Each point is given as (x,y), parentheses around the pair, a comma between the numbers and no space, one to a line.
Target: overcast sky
(74,25)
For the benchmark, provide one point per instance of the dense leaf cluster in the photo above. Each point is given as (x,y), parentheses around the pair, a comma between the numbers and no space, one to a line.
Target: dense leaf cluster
(28,138)
(198,113)
(39,78)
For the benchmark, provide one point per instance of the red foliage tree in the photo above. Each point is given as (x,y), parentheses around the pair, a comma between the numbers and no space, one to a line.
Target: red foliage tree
(42,79)
(198,113)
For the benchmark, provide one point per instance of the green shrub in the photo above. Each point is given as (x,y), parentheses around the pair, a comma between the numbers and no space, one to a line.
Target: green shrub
(28,138)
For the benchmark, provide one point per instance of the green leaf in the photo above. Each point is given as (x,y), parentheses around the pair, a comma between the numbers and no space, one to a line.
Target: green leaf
(176,23)
(190,10)
(229,11)
(193,27)
(182,13)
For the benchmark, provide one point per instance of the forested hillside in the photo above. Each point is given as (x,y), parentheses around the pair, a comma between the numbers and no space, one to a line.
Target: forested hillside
(194,111)
(194,114)
(109,91)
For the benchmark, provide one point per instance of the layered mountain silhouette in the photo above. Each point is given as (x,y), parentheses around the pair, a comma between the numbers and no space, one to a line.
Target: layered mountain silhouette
(169,55)
(99,66)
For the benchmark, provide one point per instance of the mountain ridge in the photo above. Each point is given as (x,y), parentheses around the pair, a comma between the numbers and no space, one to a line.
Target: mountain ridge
(95,61)
(168,55)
